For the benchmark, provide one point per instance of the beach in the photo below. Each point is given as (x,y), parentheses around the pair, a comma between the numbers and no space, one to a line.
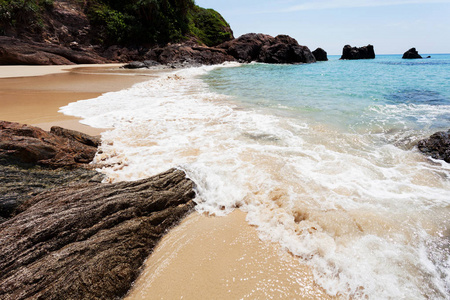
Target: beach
(33,94)
(206,256)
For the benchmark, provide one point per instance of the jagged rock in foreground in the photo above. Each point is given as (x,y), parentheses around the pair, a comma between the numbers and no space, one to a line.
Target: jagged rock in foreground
(88,241)
(17,184)
(437,145)
(320,54)
(265,48)
(411,54)
(26,144)
(366,52)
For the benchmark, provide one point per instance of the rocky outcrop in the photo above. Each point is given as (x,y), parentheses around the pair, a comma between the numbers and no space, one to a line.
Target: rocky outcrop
(437,146)
(366,52)
(30,145)
(18,52)
(18,183)
(320,54)
(265,48)
(411,54)
(88,241)
(26,152)
(187,55)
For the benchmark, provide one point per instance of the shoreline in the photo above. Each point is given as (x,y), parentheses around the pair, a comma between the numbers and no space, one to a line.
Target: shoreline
(205,245)
(33,94)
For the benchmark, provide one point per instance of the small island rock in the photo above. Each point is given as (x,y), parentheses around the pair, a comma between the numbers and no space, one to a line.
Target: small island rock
(411,54)
(366,52)
(320,54)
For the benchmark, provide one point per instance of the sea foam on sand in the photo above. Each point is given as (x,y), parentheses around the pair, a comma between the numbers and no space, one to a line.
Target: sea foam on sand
(370,219)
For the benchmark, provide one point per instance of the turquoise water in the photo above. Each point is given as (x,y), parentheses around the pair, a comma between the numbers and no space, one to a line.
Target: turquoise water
(364,95)
(321,157)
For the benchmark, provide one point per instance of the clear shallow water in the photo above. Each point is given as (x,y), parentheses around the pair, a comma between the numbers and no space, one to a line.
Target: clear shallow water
(321,157)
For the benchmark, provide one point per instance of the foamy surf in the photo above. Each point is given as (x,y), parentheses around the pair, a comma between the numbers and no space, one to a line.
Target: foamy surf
(370,218)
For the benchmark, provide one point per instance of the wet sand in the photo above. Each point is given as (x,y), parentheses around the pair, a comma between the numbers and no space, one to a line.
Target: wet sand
(34,94)
(222,258)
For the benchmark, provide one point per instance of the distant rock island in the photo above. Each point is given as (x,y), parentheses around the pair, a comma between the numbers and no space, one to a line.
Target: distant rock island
(411,54)
(366,52)
(320,54)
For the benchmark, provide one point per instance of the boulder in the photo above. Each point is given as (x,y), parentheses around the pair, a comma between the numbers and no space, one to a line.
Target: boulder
(320,54)
(89,241)
(366,52)
(267,49)
(31,145)
(135,65)
(436,146)
(411,54)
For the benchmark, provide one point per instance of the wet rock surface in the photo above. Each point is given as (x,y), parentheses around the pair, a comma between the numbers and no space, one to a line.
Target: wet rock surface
(366,52)
(17,184)
(436,146)
(88,241)
(33,160)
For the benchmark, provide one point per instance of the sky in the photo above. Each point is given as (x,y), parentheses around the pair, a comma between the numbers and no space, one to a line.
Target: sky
(392,26)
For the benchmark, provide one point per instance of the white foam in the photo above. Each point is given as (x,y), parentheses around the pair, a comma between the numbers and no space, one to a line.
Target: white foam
(361,214)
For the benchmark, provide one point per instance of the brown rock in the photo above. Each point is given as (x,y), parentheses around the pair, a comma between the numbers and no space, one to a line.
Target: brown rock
(268,49)
(31,145)
(88,241)
(21,52)
(188,54)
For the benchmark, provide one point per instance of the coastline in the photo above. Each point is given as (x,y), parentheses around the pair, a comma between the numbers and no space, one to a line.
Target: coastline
(33,94)
(201,244)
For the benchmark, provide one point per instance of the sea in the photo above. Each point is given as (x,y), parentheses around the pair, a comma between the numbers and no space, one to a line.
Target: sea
(322,157)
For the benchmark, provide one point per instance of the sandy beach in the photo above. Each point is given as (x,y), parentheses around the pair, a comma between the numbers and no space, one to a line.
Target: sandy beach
(206,257)
(34,94)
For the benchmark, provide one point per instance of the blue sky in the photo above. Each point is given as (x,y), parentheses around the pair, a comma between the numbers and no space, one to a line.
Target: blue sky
(392,26)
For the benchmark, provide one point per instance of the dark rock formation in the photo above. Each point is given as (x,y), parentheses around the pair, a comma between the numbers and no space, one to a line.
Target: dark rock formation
(320,54)
(23,147)
(88,241)
(80,137)
(366,52)
(18,183)
(267,49)
(411,54)
(437,146)
(31,145)
(18,52)
(187,55)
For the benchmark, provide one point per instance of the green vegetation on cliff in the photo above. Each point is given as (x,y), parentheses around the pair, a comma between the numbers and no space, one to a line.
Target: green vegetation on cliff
(23,13)
(158,21)
(133,22)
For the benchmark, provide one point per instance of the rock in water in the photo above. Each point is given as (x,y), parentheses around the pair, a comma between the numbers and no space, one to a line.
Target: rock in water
(320,54)
(437,145)
(265,48)
(88,241)
(366,52)
(411,54)
(26,144)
